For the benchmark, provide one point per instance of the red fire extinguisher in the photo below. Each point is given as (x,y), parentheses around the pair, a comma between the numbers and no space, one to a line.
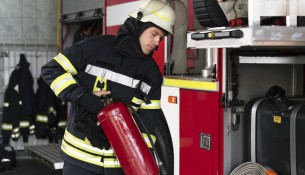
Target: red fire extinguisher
(126,140)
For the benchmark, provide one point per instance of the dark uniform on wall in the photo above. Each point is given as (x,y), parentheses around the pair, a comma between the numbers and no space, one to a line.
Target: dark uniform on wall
(27,97)
(119,66)
(50,113)
(19,106)
(11,110)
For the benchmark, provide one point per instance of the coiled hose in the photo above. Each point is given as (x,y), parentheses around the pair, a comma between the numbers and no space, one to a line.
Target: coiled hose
(253,169)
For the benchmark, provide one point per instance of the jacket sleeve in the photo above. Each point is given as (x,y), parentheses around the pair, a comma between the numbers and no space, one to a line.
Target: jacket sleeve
(150,112)
(61,75)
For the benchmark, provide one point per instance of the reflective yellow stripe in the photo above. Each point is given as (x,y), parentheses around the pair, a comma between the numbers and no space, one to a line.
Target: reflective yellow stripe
(136,101)
(85,145)
(111,163)
(155,104)
(42,118)
(7,127)
(147,139)
(191,84)
(24,124)
(6,104)
(99,79)
(62,124)
(65,63)
(160,15)
(62,82)
(81,155)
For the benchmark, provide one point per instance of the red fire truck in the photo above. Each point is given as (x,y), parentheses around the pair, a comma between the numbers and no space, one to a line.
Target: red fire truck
(230,65)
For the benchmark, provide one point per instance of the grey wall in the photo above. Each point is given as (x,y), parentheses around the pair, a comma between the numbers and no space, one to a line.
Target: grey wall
(28,27)
(28,21)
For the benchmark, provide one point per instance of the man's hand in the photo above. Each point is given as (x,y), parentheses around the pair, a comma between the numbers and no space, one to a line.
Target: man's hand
(102,93)
(92,101)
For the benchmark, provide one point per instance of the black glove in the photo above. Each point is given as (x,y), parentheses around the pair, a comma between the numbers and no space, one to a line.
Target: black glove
(86,123)
(90,102)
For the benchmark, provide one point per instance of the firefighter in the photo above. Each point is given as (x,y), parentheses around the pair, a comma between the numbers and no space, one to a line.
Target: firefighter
(118,66)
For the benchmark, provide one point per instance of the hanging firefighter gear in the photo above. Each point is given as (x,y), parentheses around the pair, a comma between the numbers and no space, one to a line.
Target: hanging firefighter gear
(11,109)
(48,113)
(19,106)
(27,97)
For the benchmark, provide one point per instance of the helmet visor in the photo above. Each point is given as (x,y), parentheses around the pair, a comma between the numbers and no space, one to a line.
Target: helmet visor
(178,7)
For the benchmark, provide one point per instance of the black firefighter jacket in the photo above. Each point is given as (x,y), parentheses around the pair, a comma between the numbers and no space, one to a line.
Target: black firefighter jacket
(50,113)
(11,109)
(19,103)
(111,63)
(27,97)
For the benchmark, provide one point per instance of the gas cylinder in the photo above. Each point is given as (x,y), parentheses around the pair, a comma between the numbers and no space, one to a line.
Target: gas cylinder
(126,140)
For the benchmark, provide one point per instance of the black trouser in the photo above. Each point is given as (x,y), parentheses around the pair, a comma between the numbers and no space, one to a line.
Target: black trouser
(71,169)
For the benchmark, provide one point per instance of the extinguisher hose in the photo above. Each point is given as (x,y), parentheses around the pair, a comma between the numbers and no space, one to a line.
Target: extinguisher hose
(160,163)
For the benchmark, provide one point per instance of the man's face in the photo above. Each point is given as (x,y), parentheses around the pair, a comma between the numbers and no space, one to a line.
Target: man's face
(150,39)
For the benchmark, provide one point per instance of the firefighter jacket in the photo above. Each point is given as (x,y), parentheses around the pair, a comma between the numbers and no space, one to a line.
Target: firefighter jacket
(109,63)
(50,115)
(11,109)
(19,102)
(27,97)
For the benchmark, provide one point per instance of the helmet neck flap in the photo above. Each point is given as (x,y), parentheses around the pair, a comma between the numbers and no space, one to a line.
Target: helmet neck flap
(127,38)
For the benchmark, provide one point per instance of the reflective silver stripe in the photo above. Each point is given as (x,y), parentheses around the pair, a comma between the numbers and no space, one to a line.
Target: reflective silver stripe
(24,124)
(62,82)
(116,77)
(16,135)
(42,118)
(6,104)
(32,127)
(65,63)
(155,104)
(15,130)
(7,127)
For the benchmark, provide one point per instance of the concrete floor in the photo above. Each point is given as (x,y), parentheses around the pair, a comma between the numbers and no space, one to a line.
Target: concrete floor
(26,165)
